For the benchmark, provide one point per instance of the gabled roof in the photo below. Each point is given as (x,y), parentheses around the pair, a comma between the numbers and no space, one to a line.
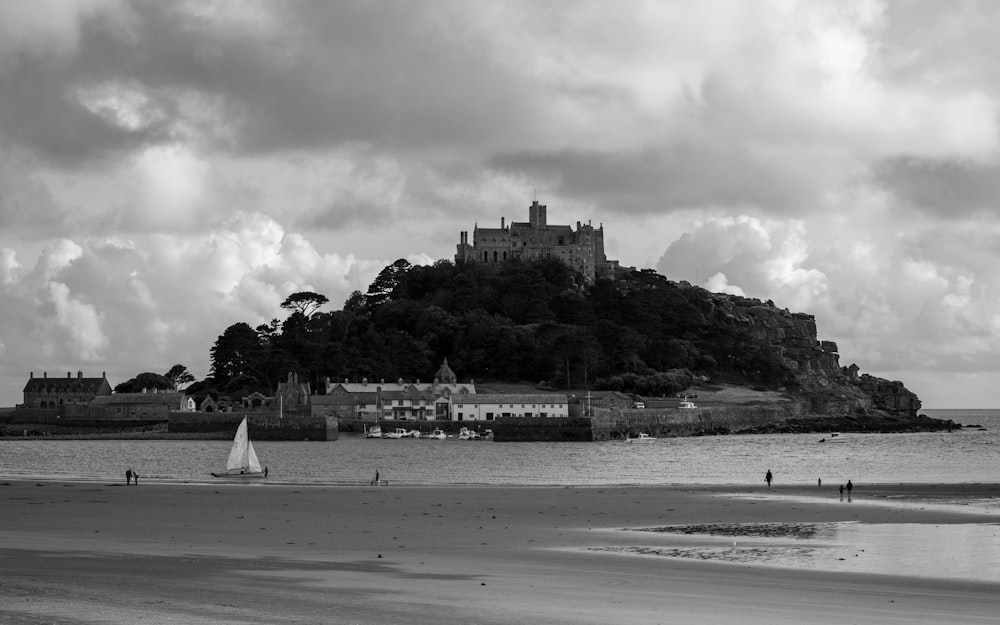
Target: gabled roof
(68,384)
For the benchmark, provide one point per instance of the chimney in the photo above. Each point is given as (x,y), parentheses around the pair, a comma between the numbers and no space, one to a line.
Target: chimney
(31,375)
(79,375)
(69,374)
(45,374)
(501,223)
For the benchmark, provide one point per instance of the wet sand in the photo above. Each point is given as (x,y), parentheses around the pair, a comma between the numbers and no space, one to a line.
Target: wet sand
(74,552)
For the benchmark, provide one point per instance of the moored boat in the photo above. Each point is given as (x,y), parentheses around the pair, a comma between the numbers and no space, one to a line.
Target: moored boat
(641,438)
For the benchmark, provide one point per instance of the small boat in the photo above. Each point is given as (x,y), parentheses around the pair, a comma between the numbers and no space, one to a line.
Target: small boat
(641,438)
(465,434)
(242,462)
(397,433)
(686,404)
(436,434)
(834,437)
(374,431)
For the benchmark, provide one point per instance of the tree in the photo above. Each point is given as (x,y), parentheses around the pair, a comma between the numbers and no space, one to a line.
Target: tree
(145,382)
(236,352)
(179,375)
(305,302)
(380,291)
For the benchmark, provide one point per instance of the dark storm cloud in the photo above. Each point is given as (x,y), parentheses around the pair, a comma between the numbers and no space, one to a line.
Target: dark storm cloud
(654,180)
(944,187)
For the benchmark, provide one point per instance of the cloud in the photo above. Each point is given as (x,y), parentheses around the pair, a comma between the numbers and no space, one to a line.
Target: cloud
(168,163)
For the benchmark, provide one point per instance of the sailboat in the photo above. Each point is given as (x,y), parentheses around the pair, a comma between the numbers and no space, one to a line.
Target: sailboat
(243,462)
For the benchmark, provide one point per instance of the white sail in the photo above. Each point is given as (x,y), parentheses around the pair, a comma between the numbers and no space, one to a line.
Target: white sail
(253,465)
(242,456)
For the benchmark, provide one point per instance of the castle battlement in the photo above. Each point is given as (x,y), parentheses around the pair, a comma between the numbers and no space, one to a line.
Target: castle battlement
(582,248)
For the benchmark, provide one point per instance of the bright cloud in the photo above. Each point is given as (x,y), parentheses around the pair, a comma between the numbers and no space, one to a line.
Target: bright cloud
(167,169)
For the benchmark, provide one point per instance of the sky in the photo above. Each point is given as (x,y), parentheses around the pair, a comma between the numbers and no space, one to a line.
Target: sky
(168,169)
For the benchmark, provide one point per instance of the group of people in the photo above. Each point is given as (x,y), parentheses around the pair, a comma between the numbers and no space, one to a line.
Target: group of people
(848,488)
(769,477)
(131,476)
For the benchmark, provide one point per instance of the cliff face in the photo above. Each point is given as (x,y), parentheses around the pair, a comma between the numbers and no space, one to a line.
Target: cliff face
(813,364)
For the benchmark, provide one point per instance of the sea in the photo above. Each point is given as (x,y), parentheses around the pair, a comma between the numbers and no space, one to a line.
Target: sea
(965,455)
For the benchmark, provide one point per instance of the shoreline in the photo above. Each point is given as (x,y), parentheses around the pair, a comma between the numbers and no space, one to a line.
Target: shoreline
(496,554)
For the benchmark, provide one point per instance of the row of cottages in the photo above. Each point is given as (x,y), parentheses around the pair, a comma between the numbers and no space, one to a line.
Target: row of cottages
(399,401)
(490,406)
(444,399)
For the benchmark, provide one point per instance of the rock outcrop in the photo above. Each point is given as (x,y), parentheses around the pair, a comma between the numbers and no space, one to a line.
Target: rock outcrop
(790,340)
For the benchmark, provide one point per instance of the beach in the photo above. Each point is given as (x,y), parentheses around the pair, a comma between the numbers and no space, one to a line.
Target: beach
(86,552)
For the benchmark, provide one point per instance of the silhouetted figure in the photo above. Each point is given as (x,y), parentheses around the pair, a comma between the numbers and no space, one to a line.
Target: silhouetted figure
(265,471)
(768,477)
(135,477)
(841,492)
(376,477)
(819,482)
(850,487)
(128,477)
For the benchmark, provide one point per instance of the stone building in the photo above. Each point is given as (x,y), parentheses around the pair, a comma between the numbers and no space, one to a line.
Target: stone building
(149,405)
(582,249)
(399,400)
(51,393)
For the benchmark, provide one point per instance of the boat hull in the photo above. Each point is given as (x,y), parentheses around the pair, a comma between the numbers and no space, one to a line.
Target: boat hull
(241,476)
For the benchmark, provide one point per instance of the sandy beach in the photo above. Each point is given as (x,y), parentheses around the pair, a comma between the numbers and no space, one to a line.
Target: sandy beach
(81,552)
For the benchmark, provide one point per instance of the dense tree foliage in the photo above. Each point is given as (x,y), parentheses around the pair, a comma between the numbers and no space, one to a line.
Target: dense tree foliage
(146,382)
(519,322)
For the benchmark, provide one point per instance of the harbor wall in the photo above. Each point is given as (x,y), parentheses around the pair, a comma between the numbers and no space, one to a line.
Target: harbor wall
(262,425)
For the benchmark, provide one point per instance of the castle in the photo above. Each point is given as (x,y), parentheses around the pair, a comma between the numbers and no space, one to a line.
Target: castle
(582,249)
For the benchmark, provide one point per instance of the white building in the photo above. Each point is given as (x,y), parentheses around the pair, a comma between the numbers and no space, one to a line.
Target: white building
(490,406)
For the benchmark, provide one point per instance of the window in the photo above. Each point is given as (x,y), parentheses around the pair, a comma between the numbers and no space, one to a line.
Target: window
(489,416)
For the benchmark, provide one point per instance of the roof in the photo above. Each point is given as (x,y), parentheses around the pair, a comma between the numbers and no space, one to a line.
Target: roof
(514,398)
(344,399)
(79,384)
(170,397)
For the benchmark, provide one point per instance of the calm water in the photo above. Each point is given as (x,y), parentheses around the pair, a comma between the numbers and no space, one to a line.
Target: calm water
(969,455)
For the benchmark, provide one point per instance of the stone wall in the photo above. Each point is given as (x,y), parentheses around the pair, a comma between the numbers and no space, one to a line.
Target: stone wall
(619,424)
(557,429)
(265,426)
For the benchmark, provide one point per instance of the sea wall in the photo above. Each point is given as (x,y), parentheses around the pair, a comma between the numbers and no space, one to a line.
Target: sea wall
(555,429)
(618,424)
(265,426)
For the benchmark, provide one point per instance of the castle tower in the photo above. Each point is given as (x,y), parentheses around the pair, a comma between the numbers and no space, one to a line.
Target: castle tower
(536,215)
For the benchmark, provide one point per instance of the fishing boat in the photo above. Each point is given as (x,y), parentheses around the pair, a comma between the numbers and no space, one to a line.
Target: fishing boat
(436,435)
(374,431)
(641,438)
(243,462)
(465,434)
(686,404)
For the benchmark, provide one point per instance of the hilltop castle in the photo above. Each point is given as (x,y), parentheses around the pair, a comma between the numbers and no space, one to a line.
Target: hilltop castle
(582,249)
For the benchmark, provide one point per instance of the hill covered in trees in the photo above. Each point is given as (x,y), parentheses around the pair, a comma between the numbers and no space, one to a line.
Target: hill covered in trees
(536,322)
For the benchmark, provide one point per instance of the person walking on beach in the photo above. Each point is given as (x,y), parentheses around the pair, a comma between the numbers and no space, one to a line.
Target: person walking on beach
(850,487)
(841,492)
(768,477)
(135,477)
(128,477)
(376,482)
